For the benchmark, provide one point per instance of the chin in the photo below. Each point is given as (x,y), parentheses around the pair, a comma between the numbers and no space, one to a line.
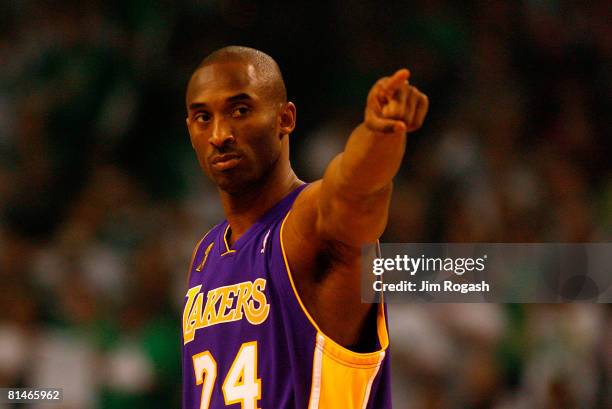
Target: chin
(232,186)
(229,189)
(238,181)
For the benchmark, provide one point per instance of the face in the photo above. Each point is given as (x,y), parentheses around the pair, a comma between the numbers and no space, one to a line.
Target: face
(235,127)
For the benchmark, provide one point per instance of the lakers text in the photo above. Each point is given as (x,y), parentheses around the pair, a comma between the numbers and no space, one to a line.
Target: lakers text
(224,304)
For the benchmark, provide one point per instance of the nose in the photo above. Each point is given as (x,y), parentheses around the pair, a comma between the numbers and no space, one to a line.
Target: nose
(222,134)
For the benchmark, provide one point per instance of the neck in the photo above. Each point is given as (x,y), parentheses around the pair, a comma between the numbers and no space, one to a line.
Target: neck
(243,209)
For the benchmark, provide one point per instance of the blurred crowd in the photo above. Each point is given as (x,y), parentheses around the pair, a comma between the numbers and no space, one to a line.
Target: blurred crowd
(102,200)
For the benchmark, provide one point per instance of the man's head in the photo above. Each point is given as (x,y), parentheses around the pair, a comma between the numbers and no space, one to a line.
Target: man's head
(238,117)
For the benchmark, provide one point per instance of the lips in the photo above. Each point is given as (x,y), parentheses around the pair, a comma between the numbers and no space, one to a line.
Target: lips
(225,161)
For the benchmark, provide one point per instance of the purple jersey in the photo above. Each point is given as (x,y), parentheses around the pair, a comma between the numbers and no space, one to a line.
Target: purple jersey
(248,341)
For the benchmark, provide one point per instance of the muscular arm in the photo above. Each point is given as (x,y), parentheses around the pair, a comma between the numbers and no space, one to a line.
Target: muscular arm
(356,188)
(348,208)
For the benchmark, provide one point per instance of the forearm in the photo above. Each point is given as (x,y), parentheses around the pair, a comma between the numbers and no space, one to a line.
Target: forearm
(370,160)
(356,189)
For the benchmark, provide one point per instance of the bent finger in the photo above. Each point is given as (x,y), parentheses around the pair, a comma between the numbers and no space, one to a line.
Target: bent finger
(396,107)
(421,110)
(383,125)
(411,103)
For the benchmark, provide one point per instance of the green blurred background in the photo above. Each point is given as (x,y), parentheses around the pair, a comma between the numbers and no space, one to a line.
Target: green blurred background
(102,200)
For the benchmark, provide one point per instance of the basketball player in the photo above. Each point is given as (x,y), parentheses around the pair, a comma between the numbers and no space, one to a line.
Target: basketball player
(273,317)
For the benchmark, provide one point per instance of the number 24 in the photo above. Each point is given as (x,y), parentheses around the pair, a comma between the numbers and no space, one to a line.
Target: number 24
(241,384)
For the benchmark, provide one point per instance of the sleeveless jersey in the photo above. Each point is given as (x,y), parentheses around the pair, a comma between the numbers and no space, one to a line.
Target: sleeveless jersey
(249,342)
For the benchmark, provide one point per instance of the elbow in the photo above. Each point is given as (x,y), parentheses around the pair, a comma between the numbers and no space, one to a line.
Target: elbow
(355,223)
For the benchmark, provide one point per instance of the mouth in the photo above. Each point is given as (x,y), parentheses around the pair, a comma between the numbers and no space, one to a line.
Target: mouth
(225,162)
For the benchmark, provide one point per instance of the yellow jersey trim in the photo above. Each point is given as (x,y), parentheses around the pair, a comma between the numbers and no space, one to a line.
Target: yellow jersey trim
(193,254)
(227,247)
(338,385)
(332,348)
(317,362)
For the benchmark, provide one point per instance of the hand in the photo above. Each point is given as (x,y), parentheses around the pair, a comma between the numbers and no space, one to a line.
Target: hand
(395,106)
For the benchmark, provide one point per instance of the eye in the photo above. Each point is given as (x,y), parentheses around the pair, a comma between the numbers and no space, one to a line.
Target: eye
(240,111)
(202,117)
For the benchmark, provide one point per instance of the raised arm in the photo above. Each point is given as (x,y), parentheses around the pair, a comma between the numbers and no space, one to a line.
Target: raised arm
(335,216)
(350,204)
(356,188)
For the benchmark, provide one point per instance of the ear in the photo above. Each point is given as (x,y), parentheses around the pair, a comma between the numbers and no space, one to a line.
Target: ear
(188,122)
(287,118)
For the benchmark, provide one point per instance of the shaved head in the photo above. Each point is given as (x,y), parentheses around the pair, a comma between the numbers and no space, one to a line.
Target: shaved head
(267,69)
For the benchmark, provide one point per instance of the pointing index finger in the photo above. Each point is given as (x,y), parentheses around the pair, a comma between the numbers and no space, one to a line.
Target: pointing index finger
(397,79)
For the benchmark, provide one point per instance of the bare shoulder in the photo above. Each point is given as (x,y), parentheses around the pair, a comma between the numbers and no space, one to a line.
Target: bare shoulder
(304,212)
(325,272)
(299,235)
